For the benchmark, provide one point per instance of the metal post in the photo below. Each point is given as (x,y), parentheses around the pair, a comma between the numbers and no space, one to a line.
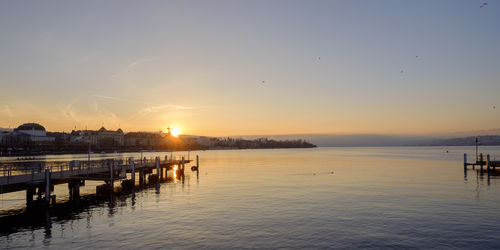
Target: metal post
(47,185)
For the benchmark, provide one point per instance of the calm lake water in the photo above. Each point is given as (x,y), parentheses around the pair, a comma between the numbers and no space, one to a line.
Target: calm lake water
(386,197)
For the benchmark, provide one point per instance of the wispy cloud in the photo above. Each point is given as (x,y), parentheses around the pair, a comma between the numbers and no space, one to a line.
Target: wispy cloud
(68,112)
(159,109)
(153,109)
(5,110)
(110,97)
(134,64)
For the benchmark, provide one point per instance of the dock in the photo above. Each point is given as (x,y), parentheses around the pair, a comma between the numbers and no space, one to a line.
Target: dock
(39,178)
(483,164)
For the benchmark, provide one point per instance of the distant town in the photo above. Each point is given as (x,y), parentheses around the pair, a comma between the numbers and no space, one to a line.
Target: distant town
(33,139)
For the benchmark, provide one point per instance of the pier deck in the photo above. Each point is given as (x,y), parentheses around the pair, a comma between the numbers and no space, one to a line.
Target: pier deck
(44,175)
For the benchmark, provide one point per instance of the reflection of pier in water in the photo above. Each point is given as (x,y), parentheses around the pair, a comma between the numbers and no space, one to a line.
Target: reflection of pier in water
(40,180)
(485,170)
(42,216)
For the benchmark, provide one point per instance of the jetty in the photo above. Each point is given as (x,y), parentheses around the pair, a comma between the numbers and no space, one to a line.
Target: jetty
(39,178)
(483,164)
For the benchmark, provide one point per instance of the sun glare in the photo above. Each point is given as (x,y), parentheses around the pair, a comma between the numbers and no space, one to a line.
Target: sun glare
(175,132)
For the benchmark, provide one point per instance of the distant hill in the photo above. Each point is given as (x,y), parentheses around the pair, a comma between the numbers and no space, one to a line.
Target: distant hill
(486,140)
(378,140)
(485,132)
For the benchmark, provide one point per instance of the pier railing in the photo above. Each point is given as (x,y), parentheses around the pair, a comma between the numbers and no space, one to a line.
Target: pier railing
(35,170)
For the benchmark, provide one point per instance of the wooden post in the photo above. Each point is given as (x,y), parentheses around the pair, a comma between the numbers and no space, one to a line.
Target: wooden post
(47,185)
(70,190)
(141,177)
(111,174)
(182,163)
(465,161)
(488,162)
(29,195)
(197,162)
(76,190)
(157,160)
(132,167)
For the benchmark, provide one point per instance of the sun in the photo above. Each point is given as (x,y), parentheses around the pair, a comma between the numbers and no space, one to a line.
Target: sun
(175,132)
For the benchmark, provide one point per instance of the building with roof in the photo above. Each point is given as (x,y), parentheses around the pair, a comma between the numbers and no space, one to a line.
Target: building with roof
(100,138)
(34,131)
(144,140)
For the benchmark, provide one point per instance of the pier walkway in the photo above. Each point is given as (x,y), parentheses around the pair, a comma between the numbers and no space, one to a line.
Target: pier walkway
(44,175)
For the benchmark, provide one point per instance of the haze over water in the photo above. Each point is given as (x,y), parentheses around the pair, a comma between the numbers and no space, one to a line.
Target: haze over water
(402,197)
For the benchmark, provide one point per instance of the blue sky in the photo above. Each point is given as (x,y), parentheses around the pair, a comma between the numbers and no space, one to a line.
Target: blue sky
(251,67)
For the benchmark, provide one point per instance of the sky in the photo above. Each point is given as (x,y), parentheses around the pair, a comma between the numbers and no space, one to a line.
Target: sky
(222,68)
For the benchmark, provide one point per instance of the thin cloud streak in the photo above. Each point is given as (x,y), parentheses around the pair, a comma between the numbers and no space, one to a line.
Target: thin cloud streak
(132,65)
(110,98)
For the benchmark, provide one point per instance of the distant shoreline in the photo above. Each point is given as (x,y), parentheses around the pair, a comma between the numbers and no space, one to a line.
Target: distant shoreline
(58,152)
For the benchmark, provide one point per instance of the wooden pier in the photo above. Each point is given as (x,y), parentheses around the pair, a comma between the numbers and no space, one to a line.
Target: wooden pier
(41,180)
(482,163)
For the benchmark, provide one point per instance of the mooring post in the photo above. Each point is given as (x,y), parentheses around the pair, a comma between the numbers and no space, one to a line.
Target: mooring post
(76,190)
(157,160)
(132,167)
(111,164)
(29,195)
(197,162)
(488,162)
(465,161)
(481,161)
(47,185)
(182,164)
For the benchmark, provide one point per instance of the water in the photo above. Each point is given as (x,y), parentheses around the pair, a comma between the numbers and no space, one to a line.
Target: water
(408,197)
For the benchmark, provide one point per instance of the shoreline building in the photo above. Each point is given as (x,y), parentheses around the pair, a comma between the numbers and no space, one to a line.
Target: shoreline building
(145,140)
(100,138)
(35,132)
(27,135)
